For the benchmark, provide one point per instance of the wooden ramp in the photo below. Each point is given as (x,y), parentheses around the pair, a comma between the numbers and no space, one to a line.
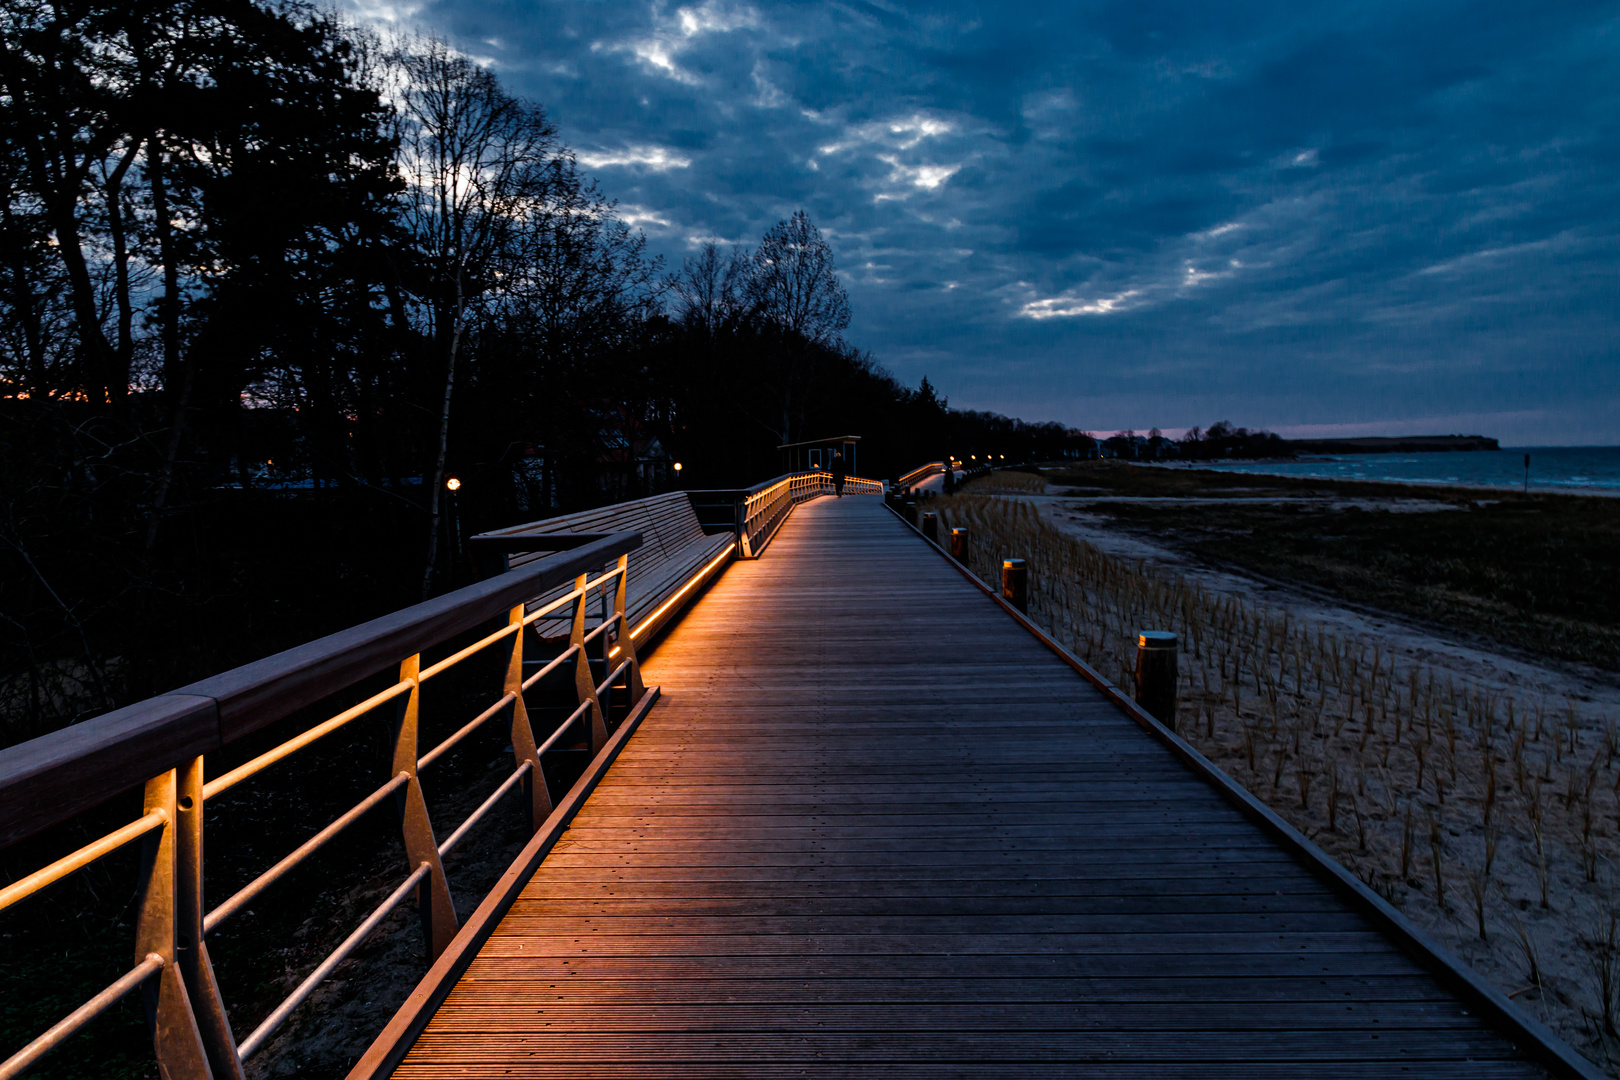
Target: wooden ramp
(873,828)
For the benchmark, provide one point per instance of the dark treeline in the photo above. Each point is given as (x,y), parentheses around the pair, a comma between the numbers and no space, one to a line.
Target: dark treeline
(1222,440)
(268,281)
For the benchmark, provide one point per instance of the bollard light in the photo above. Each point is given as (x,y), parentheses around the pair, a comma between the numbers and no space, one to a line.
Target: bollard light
(959,545)
(1156,675)
(930,527)
(1015,584)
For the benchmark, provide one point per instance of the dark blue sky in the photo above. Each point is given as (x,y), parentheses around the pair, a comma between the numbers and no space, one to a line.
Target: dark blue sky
(1345,217)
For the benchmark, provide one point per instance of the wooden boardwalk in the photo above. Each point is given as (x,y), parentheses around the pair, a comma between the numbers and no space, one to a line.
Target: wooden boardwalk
(873,828)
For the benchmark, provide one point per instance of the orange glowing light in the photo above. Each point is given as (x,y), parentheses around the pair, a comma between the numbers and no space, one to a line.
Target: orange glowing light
(699,576)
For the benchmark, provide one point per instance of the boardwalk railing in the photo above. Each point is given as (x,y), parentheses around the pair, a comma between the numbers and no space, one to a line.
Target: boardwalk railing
(765,506)
(920,473)
(159,745)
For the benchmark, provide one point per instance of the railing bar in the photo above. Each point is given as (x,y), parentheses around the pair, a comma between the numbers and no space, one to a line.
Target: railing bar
(553,606)
(262,1033)
(456,658)
(86,855)
(562,727)
(19,1062)
(304,850)
(611,679)
(298,742)
(472,725)
(588,638)
(568,654)
(477,815)
(576,594)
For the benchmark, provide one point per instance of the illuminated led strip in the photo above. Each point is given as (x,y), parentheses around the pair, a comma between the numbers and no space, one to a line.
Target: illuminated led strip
(667,604)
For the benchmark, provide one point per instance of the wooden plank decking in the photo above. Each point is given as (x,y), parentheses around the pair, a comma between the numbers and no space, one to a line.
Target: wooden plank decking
(873,828)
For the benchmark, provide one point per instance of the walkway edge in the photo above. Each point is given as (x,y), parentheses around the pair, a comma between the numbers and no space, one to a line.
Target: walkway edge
(1539,1040)
(395,1041)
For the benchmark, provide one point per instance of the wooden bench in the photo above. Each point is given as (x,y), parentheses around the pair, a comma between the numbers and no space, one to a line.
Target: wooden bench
(675,560)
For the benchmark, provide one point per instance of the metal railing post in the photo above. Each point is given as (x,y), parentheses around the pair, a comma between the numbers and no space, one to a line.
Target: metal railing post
(584,684)
(175,1038)
(523,744)
(433,895)
(196,969)
(627,644)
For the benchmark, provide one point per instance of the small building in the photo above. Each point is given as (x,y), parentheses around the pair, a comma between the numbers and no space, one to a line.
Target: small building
(818,453)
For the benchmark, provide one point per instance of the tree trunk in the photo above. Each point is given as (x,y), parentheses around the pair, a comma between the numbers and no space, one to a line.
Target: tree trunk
(114,191)
(435,495)
(169,305)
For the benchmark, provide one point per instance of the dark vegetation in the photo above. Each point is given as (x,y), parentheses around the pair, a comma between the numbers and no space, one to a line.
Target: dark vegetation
(1222,440)
(1536,572)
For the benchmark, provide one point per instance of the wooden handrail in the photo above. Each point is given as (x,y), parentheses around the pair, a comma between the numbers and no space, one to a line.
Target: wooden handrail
(766,505)
(922,472)
(52,778)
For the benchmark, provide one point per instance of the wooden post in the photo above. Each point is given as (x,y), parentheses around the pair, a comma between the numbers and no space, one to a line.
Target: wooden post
(438,912)
(523,744)
(959,545)
(1156,675)
(191,952)
(1015,583)
(930,527)
(175,1037)
(584,684)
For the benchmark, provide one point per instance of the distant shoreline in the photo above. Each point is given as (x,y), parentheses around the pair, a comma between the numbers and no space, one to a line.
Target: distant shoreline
(1406,444)
(1562,470)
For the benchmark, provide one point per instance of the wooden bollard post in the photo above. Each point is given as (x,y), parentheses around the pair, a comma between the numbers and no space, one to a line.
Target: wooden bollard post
(930,527)
(1156,675)
(959,545)
(1015,583)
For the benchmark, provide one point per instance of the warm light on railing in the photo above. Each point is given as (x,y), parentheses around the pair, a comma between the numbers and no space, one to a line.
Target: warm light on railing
(187,791)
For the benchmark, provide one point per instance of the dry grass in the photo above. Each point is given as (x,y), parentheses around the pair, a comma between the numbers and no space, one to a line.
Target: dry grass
(1005,481)
(1490,820)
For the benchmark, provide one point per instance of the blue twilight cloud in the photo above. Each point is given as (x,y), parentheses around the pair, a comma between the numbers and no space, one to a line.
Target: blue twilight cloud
(1356,216)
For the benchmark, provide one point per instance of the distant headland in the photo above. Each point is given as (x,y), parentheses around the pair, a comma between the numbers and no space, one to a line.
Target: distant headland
(1407,444)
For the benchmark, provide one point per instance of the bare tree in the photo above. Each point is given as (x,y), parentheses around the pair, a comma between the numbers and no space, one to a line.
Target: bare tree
(474,159)
(711,289)
(794,290)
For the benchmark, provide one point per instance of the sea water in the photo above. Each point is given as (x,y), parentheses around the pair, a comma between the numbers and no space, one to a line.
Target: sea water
(1590,469)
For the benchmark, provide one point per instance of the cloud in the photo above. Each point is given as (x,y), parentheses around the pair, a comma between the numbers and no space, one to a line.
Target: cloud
(656,158)
(639,217)
(1327,213)
(919,176)
(1072,305)
(674,35)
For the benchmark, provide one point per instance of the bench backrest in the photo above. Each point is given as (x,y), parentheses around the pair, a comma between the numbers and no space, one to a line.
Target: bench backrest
(667,523)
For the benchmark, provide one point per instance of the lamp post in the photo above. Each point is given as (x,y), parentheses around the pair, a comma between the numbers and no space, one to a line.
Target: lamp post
(452,484)
(677,474)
